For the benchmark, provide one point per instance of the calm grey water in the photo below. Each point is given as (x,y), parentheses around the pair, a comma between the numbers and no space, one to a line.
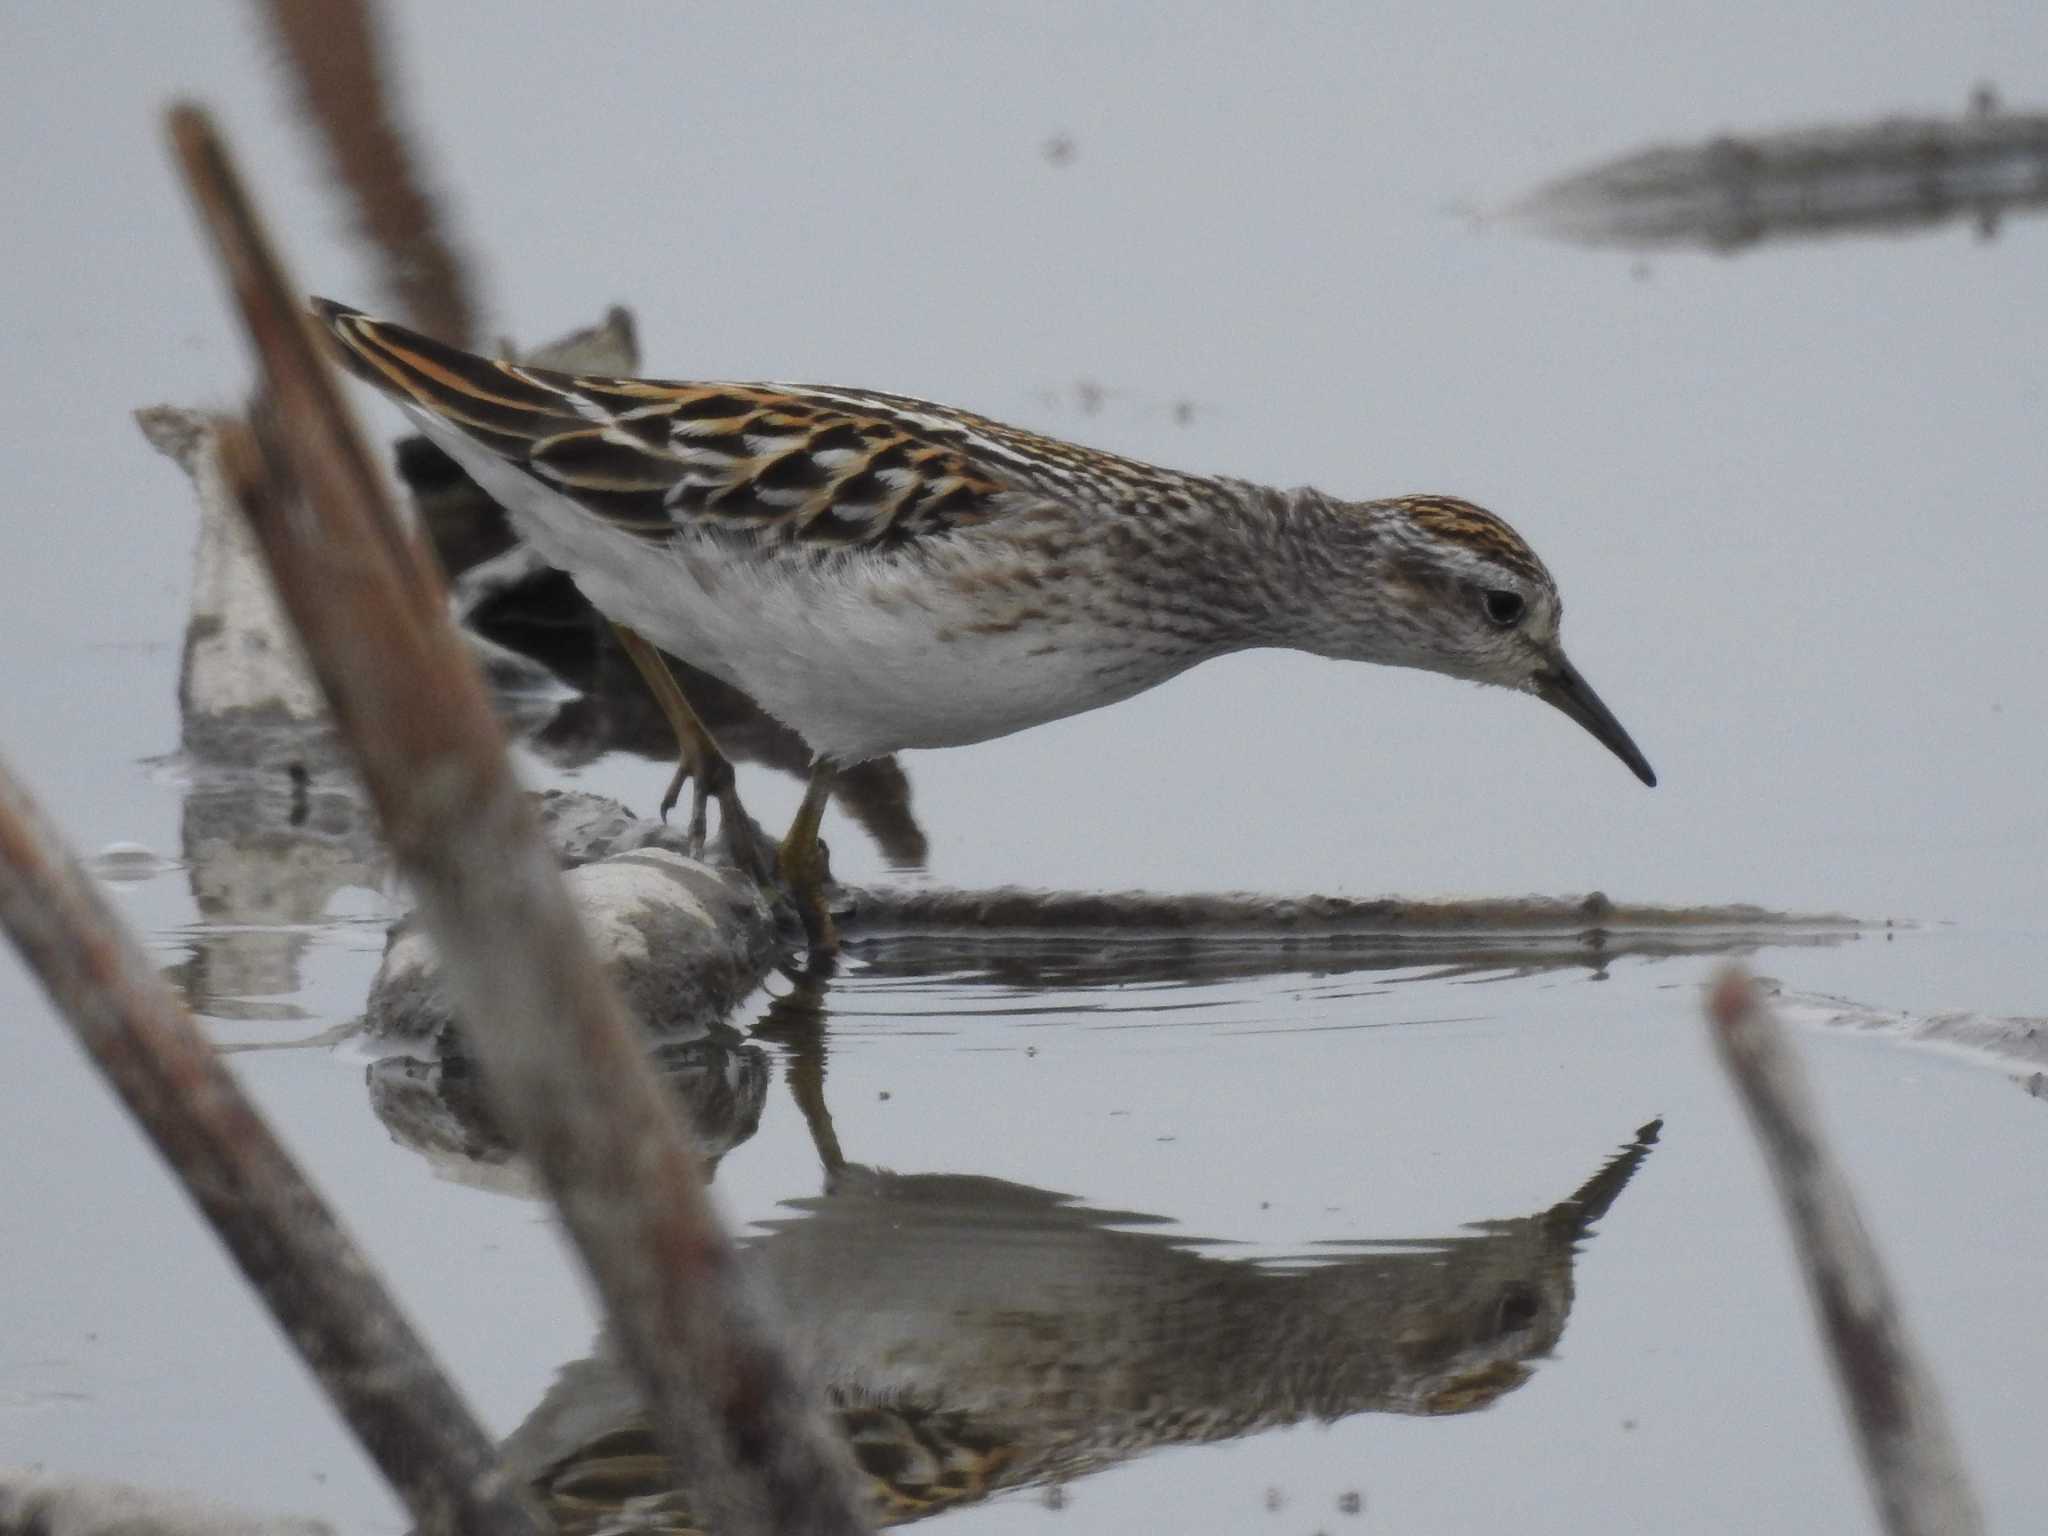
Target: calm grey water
(1795,500)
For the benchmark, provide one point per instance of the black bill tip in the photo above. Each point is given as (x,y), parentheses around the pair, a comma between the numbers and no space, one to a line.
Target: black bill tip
(1560,685)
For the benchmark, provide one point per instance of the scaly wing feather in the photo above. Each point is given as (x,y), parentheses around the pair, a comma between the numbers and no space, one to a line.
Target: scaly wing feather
(911,1462)
(813,467)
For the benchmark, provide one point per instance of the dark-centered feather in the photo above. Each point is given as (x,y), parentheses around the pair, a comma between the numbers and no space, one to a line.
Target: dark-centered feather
(805,465)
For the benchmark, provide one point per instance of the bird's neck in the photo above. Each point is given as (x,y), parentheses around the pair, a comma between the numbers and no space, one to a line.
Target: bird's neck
(1287,565)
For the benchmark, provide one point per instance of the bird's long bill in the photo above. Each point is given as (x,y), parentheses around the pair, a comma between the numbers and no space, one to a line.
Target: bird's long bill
(1560,684)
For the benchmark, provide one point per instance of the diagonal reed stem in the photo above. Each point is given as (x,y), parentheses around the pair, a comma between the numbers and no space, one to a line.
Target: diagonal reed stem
(560,1058)
(1909,1458)
(325,1297)
(338,65)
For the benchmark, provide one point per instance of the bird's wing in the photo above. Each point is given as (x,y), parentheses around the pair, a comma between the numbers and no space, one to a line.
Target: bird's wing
(801,465)
(910,1462)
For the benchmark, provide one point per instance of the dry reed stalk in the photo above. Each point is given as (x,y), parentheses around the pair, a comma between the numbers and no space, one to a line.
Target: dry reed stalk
(337,62)
(1909,1458)
(326,1298)
(561,1059)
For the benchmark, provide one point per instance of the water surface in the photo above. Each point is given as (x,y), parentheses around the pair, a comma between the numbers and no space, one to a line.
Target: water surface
(1793,498)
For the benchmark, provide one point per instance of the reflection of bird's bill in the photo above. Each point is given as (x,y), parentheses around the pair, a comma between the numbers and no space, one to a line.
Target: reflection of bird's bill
(1560,684)
(1476,1389)
(975,1332)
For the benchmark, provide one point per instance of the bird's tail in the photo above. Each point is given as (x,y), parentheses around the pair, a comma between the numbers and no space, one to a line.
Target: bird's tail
(503,406)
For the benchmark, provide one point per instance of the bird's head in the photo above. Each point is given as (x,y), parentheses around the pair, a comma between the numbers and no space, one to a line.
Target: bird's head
(1451,588)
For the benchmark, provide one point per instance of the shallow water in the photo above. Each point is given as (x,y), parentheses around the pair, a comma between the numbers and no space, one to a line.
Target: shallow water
(1332,1118)
(1794,501)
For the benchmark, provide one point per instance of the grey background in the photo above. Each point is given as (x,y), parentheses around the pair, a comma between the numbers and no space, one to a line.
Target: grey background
(1795,500)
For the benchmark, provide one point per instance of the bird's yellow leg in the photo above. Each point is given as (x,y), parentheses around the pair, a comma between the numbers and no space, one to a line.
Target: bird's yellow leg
(699,760)
(801,861)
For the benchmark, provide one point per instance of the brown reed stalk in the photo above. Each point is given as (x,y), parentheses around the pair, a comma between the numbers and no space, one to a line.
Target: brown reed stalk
(332,1308)
(1909,1459)
(560,1057)
(335,50)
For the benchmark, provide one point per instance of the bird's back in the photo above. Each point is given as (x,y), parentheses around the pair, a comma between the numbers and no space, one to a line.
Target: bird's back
(809,466)
(878,572)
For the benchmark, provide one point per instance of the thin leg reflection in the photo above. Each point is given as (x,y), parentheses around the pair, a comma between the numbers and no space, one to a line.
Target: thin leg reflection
(796,1022)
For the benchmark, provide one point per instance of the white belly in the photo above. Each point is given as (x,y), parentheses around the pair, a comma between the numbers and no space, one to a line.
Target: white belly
(860,656)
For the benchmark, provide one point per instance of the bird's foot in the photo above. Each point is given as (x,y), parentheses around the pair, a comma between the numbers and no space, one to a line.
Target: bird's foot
(700,801)
(710,776)
(747,847)
(805,869)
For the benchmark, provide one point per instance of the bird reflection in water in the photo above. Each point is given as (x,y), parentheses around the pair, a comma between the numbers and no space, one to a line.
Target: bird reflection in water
(973,1335)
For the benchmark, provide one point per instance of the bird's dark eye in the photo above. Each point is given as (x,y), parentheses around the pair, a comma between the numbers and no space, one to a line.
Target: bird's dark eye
(1517,1307)
(1504,608)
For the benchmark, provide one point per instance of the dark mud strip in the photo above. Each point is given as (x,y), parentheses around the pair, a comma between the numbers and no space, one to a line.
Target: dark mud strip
(1041,938)
(1885,178)
(1248,913)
